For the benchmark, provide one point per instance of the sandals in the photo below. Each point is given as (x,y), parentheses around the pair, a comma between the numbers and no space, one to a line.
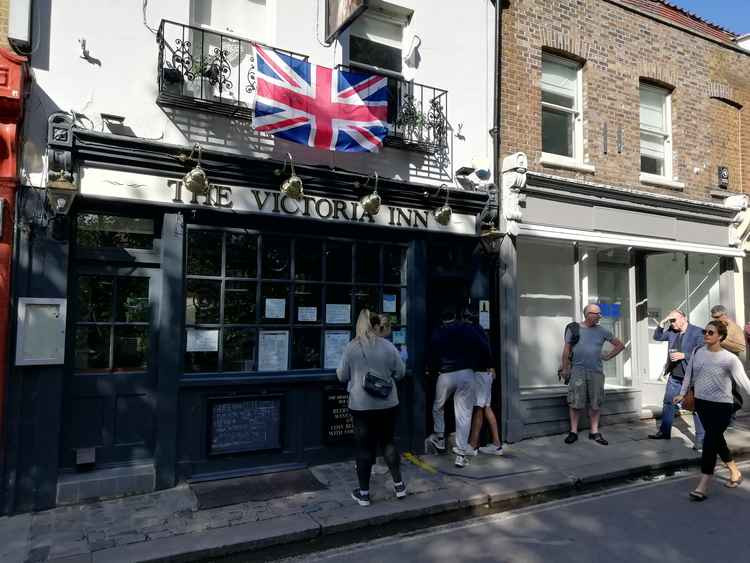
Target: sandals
(697,496)
(732,484)
(598,438)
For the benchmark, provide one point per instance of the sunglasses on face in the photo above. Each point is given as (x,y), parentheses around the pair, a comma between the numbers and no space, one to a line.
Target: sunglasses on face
(709,332)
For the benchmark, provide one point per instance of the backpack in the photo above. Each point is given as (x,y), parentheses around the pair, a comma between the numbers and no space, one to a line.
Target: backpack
(575,336)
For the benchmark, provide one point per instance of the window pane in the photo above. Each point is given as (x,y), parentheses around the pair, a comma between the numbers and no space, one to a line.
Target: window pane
(242,255)
(338,261)
(201,361)
(92,348)
(308,256)
(98,231)
(394,264)
(132,300)
(559,99)
(394,304)
(651,165)
(363,50)
(276,257)
(306,351)
(131,348)
(274,303)
(202,301)
(557,132)
(95,298)
(307,304)
(239,302)
(368,297)
(240,349)
(338,299)
(204,253)
(368,262)
(652,108)
(559,78)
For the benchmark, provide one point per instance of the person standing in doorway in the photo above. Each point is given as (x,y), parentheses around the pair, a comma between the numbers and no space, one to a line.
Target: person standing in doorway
(454,349)
(586,384)
(683,339)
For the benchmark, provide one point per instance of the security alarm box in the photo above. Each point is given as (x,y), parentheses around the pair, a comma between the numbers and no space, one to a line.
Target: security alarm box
(40,338)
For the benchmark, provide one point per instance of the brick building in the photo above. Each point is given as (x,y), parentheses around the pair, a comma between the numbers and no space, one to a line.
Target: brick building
(630,114)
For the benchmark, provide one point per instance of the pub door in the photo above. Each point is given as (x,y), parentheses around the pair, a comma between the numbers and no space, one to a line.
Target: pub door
(110,402)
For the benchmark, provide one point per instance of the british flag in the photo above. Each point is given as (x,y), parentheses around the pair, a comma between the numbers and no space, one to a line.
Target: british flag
(317,106)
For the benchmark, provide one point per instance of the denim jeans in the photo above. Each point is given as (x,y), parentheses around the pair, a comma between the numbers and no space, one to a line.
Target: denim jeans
(669,410)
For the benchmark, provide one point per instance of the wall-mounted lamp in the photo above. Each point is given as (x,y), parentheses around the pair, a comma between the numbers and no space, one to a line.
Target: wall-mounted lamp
(61,199)
(292,186)
(371,202)
(443,214)
(490,240)
(195,181)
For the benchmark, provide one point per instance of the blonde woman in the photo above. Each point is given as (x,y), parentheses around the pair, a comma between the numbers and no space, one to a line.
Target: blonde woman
(374,417)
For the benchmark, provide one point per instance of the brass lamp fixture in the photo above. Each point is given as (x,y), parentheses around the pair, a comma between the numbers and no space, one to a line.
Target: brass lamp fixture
(292,186)
(371,202)
(195,181)
(443,214)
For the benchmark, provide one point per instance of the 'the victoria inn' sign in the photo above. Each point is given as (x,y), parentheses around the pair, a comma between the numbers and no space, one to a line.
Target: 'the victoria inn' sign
(142,187)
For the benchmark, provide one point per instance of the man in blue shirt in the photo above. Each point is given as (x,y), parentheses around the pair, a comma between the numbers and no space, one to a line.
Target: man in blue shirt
(683,339)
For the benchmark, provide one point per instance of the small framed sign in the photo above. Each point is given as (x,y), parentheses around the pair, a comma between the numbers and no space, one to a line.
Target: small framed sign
(41,331)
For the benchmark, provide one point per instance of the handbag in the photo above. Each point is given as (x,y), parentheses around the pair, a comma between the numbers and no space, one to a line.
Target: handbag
(688,401)
(375,384)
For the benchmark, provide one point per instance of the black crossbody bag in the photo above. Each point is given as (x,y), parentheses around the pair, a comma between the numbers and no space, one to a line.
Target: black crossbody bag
(375,384)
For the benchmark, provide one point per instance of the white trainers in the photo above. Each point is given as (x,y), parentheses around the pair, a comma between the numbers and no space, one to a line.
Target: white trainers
(438,442)
(471,452)
(491,449)
(461,461)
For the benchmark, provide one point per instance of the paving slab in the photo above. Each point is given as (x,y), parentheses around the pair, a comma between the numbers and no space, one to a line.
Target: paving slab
(484,466)
(14,538)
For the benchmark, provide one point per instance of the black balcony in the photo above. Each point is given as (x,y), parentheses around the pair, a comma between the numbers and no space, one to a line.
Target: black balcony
(207,71)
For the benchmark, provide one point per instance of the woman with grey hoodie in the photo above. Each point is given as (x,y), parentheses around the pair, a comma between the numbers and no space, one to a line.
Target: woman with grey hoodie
(374,417)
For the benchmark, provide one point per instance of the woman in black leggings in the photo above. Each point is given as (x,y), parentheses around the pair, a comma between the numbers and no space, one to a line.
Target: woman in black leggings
(374,417)
(710,372)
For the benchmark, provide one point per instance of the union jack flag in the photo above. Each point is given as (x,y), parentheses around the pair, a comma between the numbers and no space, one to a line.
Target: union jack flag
(317,106)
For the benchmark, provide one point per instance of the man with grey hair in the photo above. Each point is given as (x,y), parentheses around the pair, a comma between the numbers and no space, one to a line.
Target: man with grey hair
(582,359)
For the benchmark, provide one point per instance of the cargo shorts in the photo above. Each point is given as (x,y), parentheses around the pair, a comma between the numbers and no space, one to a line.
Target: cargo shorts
(586,386)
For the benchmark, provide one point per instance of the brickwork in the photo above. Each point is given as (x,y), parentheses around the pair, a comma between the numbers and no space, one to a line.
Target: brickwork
(4,12)
(620,47)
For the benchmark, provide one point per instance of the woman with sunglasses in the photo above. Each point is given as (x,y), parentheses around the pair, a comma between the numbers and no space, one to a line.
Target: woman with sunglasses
(710,372)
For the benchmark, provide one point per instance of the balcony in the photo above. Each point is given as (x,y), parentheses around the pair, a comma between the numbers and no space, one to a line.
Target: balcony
(203,70)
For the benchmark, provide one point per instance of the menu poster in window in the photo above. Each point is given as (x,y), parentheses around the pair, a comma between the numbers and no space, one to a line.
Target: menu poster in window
(307,314)
(336,341)
(202,340)
(338,314)
(484,314)
(273,350)
(275,308)
(389,303)
(399,336)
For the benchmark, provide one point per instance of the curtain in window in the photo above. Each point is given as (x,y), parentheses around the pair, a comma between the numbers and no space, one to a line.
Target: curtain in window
(559,83)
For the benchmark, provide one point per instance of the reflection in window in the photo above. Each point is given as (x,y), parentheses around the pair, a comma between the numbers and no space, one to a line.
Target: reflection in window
(242,255)
(339,261)
(132,300)
(276,258)
(204,253)
(95,298)
(203,300)
(131,348)
(110,231)
(306,354)
(92,348)
(308,260)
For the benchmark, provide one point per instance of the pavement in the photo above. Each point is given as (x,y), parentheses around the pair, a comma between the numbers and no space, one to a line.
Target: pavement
(168,526)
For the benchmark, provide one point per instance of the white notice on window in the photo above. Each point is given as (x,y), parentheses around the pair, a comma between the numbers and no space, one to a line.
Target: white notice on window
(273,350)
(307,314)
(202,340)
(336,341)
(389,303)
(484,314)
(338,314)
(275,308)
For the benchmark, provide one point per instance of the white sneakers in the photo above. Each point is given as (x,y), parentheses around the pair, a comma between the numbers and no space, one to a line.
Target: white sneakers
(491,449)
(471,452)
(438,442)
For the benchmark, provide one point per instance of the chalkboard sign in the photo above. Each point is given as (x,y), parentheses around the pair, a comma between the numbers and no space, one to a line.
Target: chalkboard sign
(244,424)
(337,418)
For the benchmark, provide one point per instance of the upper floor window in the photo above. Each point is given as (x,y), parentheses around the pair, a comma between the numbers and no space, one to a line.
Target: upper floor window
(375,41)
(656,130)
(244,18)
(561,107)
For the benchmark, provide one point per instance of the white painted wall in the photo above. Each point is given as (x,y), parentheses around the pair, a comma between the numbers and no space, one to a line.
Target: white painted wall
(456,50)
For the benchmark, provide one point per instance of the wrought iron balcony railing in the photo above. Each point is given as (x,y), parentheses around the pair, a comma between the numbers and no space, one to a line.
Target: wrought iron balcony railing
(212,72)
(208,71)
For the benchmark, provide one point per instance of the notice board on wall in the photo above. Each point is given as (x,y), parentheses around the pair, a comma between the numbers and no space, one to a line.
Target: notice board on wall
(244,424)
(337,420)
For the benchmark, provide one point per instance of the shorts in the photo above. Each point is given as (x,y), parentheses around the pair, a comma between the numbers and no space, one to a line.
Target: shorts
(586,387)
(483,385)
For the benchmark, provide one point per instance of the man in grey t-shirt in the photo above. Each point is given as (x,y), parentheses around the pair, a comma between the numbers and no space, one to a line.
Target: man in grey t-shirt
(586,385)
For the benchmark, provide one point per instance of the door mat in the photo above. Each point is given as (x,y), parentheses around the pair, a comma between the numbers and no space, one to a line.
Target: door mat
(256,488)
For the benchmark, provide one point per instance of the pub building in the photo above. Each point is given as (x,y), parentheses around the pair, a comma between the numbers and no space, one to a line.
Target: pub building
(203,329)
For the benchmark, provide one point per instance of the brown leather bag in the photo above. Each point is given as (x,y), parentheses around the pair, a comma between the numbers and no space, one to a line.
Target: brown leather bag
(688,401)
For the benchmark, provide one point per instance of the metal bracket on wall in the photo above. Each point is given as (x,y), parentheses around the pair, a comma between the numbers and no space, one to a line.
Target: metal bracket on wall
(604,139)
(620,140)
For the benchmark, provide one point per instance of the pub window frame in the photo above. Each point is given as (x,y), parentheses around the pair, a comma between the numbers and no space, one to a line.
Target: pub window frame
(291,322)
(573,113)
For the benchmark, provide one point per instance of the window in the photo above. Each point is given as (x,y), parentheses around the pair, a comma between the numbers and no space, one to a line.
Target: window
(265,302)
(245,18)
(110,231)
(375,41)
(656,131)
(561,107)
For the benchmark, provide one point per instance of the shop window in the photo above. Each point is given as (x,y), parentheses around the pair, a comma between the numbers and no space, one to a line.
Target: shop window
(96,231)
(265,302)
(656,131)
(112,323)
(561,87)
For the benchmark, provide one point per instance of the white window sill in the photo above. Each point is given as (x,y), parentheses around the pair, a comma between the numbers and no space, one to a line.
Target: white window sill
(661,181)
(557,161)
